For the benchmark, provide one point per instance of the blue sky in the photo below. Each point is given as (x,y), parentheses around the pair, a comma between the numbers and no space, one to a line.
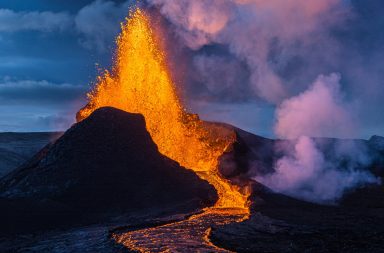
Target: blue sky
(48,59)
(49,50)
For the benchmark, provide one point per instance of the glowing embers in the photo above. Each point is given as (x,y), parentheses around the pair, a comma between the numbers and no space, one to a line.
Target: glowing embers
(140,83)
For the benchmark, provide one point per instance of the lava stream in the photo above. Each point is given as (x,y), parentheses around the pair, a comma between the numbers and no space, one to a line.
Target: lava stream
(191,235)
(140,82)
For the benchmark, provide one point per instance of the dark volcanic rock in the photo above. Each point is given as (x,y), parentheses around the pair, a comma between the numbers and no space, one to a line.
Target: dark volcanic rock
(279,223)
(234,161)
(249,151)
(105,164)
(377,142)
(261,154)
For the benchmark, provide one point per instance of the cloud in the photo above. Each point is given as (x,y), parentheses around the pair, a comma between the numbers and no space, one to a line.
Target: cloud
(46,21)
(54,122)
(96,24)
(99,22)
(211,68)
(267,35)
(197,22)
(13,91)
(31,118)
(33,105)
(319,111)
(234,51)
(281,46)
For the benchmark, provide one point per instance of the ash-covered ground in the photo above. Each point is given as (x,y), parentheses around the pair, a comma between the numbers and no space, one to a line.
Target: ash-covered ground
(105,176)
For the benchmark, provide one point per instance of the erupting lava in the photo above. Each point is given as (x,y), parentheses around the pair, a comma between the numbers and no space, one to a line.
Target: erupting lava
(140,82)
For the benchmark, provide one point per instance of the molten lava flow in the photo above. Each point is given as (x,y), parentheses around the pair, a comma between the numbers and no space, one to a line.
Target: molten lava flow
(140,83)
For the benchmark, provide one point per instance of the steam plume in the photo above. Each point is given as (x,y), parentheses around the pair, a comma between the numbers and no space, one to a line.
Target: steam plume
(264,35)
(320,111)
(304,172)
(270,50)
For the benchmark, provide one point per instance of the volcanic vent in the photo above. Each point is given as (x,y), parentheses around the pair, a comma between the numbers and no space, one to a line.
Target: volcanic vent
(140,82)
(101,167)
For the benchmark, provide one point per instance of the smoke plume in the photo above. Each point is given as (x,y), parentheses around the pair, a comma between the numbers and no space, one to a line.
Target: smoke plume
(303,171)
(266,36)
(319,111)
(271,51)
(274,49)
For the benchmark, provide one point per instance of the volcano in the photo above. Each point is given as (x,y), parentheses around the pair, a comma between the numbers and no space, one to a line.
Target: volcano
(141,173)
(105,164)
(107,167)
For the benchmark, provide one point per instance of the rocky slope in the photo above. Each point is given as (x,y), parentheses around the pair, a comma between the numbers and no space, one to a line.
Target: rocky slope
(107,170)
(102,166)
(282,224)
(279,223)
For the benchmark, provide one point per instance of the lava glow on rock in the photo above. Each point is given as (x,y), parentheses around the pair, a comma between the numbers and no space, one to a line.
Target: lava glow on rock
(140,83)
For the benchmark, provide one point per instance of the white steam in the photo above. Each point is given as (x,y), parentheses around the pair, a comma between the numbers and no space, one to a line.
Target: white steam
(303,171)
(319,111)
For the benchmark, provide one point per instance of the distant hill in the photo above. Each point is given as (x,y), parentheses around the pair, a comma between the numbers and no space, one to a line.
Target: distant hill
(260,154)
(17,148)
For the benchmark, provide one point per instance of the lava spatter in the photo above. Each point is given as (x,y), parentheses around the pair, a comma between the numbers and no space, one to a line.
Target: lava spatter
(140,82)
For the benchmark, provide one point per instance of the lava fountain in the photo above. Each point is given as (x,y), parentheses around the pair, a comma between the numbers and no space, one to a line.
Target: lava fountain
(140,82)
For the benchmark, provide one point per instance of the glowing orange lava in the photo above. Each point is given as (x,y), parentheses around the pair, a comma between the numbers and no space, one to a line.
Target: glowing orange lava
(140,82)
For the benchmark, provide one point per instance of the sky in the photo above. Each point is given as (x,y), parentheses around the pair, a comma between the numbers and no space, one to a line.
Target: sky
(252,63)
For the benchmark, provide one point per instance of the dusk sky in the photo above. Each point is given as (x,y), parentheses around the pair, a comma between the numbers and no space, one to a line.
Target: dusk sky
(51,50)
